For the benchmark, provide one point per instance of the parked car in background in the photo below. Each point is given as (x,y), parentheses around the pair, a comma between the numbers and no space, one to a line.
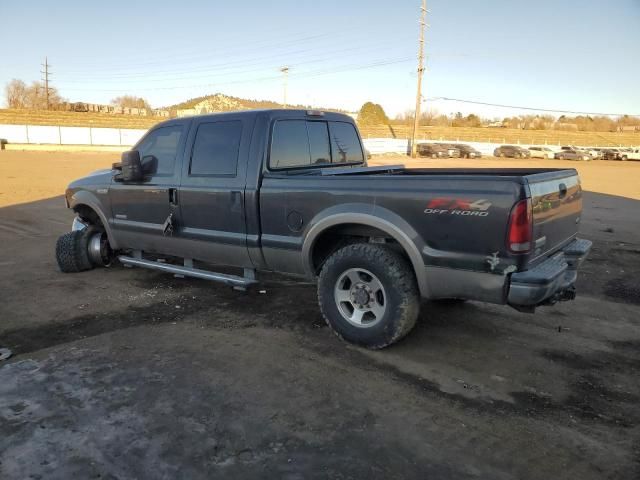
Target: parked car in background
(431,150)
(610,154)
(595,153)
(452,150)
(541,152)
(630,154)
(572,153)
(467,151)
(511,151)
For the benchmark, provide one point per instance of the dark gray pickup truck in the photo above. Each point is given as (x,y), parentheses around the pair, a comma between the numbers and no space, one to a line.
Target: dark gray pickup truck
(289,191)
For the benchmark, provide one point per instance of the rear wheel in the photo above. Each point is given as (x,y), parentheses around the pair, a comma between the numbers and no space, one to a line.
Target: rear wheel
(368,295)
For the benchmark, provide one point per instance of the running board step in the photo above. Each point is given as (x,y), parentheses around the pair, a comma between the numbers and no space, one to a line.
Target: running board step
(233,280)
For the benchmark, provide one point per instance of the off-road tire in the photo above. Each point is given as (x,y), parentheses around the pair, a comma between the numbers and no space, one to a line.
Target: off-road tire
(72,250)
(401,294)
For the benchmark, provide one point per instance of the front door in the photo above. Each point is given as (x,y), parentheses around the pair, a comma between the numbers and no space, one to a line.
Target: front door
(140,210)
(211,195)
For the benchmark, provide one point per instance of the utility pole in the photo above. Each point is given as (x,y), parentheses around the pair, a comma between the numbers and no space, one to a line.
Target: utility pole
(285,72)
(416,120)
(46,74)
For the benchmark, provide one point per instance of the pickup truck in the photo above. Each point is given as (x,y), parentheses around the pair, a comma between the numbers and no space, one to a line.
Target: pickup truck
(630,154)
(289,191)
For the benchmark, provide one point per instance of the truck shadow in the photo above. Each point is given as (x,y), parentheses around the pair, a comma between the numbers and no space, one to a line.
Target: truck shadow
(30,278)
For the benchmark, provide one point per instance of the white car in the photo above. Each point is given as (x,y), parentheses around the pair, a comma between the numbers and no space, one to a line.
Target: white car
(630,154)
(594,152)
(541,152)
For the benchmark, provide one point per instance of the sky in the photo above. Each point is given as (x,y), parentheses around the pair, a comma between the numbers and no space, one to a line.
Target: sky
(573,55)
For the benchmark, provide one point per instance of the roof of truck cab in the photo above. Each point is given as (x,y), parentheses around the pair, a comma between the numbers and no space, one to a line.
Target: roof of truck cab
(271,113)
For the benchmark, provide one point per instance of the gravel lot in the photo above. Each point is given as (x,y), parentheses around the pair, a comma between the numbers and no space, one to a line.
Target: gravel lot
(121,373)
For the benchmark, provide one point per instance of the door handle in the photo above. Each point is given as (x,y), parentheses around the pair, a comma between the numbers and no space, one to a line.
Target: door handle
(236,201)
(563,190)
(173,196)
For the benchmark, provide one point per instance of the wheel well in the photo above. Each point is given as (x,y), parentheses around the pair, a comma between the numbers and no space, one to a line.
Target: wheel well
(336,237)
(88,215)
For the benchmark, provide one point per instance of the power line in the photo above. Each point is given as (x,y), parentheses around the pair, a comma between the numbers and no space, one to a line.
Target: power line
(179,58)
(316,73)
(231,67)
(573,112)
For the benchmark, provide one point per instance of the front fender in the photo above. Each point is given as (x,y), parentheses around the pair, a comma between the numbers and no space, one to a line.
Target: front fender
(85,197)
(372,216)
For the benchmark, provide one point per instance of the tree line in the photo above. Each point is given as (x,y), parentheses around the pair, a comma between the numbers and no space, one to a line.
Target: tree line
(19,95)
(373,114)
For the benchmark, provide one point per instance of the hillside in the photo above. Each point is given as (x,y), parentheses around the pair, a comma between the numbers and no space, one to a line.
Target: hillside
(226,103)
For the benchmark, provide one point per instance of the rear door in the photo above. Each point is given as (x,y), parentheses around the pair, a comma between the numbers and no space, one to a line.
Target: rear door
(211,197)
(556,199)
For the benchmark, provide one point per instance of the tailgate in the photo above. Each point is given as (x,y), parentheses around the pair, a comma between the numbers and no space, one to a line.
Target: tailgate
(556,199)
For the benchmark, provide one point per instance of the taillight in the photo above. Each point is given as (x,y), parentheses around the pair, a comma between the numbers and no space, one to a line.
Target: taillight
(520,227)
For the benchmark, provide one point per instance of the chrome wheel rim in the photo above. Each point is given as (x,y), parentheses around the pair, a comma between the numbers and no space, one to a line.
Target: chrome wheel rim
(99,249)
(360,297)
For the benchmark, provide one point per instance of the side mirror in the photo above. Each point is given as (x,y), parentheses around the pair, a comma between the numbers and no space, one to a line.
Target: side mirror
(131,167)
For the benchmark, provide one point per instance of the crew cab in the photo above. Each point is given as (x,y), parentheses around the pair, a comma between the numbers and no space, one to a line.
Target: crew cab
(289,191)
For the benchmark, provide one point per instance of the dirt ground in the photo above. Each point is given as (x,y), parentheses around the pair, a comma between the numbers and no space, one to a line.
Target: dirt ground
(128,373)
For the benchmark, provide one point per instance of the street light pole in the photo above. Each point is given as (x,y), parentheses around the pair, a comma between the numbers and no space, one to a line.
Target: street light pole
(285,71)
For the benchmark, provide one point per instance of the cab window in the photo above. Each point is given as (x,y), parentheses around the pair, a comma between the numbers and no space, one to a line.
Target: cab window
(345,144)
(305,143)
(215,150)
(158,150)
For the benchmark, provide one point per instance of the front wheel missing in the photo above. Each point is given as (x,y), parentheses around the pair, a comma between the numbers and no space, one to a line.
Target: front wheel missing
(99,250)
(81,250)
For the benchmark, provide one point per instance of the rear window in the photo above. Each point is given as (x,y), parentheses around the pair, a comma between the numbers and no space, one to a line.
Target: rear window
(304,143)
(290,144)
(345,143)
(215,150)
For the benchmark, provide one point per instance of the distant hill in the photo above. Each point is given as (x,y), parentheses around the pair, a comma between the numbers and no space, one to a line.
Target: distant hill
(226,103)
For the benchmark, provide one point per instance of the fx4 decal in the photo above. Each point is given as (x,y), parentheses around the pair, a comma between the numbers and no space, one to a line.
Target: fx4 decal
(458,206)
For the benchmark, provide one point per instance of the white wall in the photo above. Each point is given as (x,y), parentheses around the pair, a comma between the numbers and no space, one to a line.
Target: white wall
(57,135)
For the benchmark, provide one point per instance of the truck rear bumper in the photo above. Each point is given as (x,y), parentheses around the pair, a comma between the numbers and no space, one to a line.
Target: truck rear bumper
(551,281)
